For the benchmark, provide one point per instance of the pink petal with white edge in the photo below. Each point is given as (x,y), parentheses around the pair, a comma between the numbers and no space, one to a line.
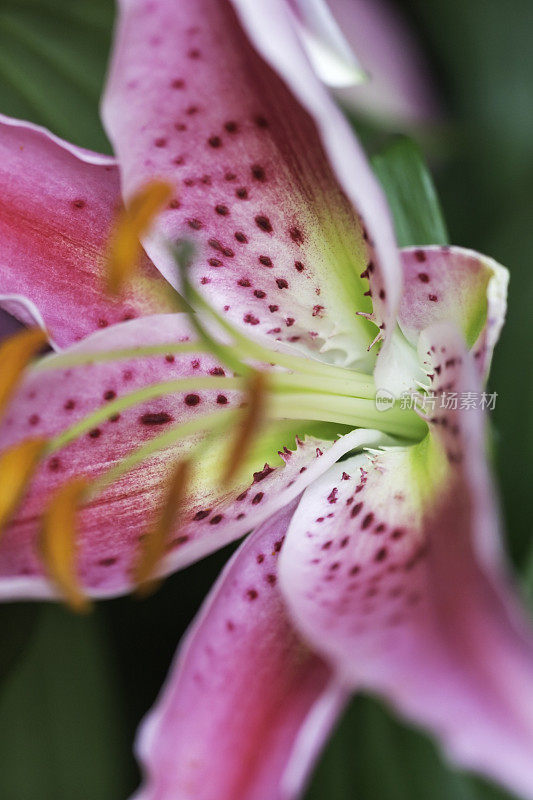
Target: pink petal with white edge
(456,285)
(399,90)
(189,99)
(51,401)
(246,707)
(405,589)
(56,209)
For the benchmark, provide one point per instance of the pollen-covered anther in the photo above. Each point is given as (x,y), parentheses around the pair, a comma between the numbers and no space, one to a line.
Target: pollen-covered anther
(58,542)
(15,354)
(124,249)
(17,465)
(250,424)
(154,542)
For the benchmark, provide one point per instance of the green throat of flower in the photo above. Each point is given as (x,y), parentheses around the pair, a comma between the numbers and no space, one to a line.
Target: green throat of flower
(271,387)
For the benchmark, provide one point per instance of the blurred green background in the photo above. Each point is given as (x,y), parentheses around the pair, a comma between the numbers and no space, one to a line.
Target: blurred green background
(72,690)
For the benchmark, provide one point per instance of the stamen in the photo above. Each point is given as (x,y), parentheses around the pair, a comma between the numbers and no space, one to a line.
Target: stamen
(15,354)
(210,423)
(17,465)
(151,392)
(133,223)
(154,541)
(250,425)
(74,359)
(58,542)
(183,253)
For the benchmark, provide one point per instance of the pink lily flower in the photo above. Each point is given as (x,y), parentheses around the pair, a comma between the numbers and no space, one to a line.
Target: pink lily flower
(379,572)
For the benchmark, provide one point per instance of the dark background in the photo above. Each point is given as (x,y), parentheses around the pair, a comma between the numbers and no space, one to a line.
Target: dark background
(72,690)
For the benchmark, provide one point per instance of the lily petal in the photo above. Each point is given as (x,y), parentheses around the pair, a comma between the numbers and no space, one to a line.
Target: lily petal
(51,400)
(399,90)
(56,210)
(405,591)
(190,100)
(329,52)
(456,284)
(247,706)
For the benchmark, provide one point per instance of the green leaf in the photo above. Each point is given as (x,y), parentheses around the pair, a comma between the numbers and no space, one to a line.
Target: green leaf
(411,194)
(53,56)
(17,624)
(60,722)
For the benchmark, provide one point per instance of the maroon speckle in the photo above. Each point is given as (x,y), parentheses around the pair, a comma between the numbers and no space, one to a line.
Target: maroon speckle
(397,533)
(282,283)
(222,399)
(110,394)
(216,519)
(250,319)
(317,311)
(192,399)
(107,562)
(170,358)
(103,323)
(424,277)
(289,321)
(332,496)
(160,142)
(367,521)
(258,173)
(259,293)
(432,297)
(178,83)
(241,237)
(95,433)
(194,53)
(251,594)
(231,126)
(382,294)
(214,141)
(296,235)
(242,193)
(271,578)
(355,569)
(214,262)
(222,210)
(299,266)
(69,405)
(54,464)
(356,509)
(195,224)
(191,110)
(217,371)
(244,282)
(420,256)
(202,514)
(263,223)
(261,121)
(265,261)
(381,554)
(79,203)
(273,308)
(34,419)
(259,476)
(156,418)
(257,498)
(260,558)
